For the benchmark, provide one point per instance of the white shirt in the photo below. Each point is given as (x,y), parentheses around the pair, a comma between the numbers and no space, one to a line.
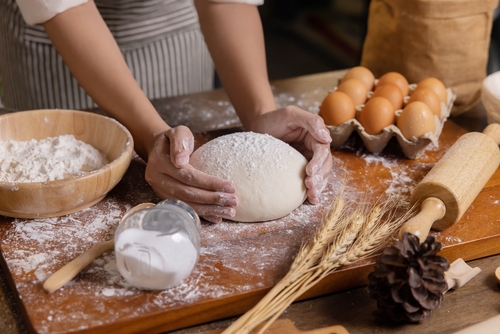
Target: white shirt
(39,11)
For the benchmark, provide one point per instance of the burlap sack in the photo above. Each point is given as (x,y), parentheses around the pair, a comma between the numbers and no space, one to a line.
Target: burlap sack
(446,39)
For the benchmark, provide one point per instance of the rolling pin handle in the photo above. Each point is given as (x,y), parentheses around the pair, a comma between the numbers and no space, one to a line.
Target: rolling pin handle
(493,131)
(431,210)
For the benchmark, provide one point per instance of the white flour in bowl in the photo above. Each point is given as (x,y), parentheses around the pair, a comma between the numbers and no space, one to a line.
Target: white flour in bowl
(47,159)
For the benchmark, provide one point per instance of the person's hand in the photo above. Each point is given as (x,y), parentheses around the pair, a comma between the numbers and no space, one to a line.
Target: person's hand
(308,134)
(171,176)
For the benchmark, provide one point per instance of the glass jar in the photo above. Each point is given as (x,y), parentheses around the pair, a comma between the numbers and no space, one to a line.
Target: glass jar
(158,247)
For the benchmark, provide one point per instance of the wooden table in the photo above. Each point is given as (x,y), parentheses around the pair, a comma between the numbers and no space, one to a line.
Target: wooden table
(348,305)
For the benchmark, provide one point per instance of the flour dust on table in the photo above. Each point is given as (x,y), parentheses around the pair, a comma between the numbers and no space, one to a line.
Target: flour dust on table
(235,258)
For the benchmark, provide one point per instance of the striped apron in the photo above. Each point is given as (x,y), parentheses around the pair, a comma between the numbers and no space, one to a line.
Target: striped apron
(159,39)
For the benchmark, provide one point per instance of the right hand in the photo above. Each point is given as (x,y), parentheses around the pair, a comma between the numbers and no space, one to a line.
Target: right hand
(172,177)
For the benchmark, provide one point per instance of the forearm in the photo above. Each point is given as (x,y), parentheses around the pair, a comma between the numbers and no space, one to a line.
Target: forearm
(91,53)
(233,33)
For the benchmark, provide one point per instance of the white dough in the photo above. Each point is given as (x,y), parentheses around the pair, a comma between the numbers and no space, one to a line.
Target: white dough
(268,173)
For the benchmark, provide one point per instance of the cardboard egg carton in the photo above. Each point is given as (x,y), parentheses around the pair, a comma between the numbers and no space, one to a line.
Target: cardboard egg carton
(412,149)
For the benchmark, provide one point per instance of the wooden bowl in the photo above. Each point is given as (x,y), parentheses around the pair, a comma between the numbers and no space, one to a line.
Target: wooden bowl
(60,197)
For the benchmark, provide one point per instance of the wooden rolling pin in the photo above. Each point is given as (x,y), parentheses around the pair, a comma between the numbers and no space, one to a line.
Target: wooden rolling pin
(446,192)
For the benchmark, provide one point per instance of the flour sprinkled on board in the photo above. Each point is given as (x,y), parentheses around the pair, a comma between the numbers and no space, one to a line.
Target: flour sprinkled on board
(99,296)
(400,181)
(208,114)
(48,159)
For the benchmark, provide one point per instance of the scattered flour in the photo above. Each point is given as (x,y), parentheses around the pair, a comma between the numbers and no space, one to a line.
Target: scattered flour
(47,159)
(208,114)
(99,295)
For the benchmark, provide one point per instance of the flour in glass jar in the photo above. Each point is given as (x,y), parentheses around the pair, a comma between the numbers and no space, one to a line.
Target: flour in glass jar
(48,159)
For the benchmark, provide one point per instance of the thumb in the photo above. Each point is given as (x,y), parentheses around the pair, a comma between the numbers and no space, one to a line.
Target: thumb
(181,145)
(317,128)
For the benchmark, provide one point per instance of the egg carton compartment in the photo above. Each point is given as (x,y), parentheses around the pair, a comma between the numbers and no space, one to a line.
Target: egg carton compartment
(412,148)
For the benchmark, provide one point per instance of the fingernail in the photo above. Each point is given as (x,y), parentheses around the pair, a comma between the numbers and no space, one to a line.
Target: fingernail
(228,200)
(315,169)
(317,180)
(230,212)
(229,188)
(215,220)
(325,135)
(182,159)
(313,200)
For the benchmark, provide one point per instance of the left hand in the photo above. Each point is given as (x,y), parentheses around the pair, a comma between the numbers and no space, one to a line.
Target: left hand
(171,176)
(308,134)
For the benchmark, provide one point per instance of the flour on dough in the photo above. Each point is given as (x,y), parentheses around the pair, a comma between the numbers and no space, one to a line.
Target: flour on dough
(268,173)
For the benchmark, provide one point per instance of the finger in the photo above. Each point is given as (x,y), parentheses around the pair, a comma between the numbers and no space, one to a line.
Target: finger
(198,179)
(316,186)
(321,155)
(181,145)
(213,213)
(318,170)
(169,187)
(317,128)
(213,219)
(161,171)
(297,118)
(205,203)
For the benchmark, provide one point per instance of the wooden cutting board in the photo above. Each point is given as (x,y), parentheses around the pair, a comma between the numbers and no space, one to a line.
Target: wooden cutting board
(239,262)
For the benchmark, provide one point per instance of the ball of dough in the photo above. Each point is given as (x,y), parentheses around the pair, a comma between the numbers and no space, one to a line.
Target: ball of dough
(268,173)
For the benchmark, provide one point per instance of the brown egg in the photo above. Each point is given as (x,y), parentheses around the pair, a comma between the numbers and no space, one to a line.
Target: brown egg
(361,73)
(395,78)
(356,90)
(377,113)
(415,120)
(427,96)
(391,92)
(437,86)
(337,108)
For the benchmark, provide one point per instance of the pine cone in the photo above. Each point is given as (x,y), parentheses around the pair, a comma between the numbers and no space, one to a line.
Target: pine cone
(408,279)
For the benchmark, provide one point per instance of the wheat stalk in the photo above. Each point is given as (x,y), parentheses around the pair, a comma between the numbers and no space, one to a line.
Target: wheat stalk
(306,258)
(310,252)
(343,238)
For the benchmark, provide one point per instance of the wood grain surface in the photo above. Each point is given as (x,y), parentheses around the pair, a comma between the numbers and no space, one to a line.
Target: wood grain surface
(239,262)
(473,303)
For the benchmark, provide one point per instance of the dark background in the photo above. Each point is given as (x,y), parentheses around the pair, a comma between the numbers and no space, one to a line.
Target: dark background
(312,36)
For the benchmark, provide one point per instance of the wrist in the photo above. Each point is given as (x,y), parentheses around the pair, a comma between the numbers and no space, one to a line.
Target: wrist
(249,114)
(148,139)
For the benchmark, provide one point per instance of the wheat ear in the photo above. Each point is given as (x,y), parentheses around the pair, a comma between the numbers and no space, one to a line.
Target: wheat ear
(305,259)
(343,238)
